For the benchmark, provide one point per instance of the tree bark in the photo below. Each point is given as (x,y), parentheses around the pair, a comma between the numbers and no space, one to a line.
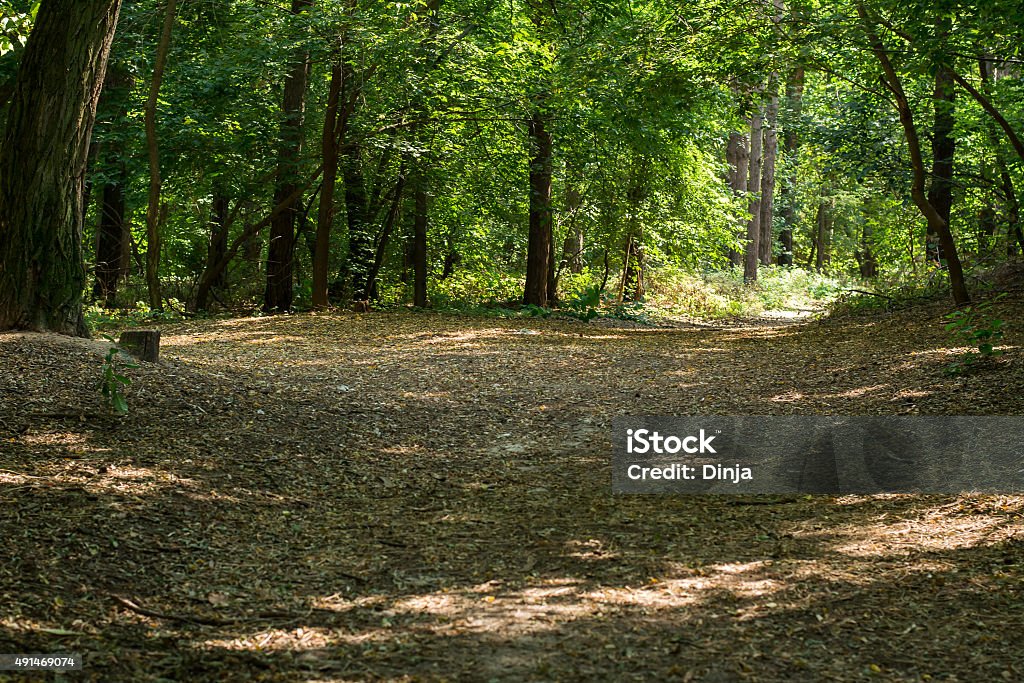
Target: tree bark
(737,155)
(538,254)
(325,217)
(419,246)
(791,145)
(751,259)
(153,150)
(43,156)
(112,238)
(866,259)
(940,193)
(110,242)
(245,239)
(771,148)
(220,223)
(823,233)
(279,294)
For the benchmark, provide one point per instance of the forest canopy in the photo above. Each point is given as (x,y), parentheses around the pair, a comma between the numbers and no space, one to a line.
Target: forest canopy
(309,153)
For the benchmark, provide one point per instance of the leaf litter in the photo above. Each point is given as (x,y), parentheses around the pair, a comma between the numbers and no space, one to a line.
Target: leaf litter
(423,497)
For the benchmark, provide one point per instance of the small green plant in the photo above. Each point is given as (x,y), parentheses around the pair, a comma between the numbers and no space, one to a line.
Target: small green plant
(585,306)
(112,380)
(535,311)
(975,326)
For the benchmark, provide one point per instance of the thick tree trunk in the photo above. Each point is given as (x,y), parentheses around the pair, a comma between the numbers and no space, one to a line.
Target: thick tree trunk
(279,294)
(153,223)
(791,144)
(771,148)
(419,246)
(43,156)
(750,260)
(737,155)
(325,217)
(538,254)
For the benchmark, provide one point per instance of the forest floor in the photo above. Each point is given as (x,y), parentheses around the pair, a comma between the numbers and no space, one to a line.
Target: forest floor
(424,497)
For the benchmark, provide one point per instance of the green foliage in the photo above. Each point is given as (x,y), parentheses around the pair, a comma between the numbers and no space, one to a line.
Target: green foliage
(585,305)
(99,318)
(113,381)
(977,327)
(723,293)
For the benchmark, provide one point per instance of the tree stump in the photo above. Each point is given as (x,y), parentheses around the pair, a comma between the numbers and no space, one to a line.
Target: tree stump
(143,344)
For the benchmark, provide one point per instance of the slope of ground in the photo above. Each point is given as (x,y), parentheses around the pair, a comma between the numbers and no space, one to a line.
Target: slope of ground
(418,497)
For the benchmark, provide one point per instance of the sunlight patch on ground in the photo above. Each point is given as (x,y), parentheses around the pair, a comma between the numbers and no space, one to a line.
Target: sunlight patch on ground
(789,397)
(788,314)
(858,392)
(69,442)
(904,536)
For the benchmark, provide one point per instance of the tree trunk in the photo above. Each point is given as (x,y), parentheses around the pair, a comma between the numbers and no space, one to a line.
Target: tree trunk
(152,147)
(737,155)
(791,144)
(633,287)
(325,217)
(750,260)
(1011,207)
(823,240)
(538,255)
(419,246)
(572,247)
(866,259)
(385,233)
(936,222)
(360,241)
(113,248)
(279,294)
(771,148)
(110,242)
(248,240)
(43,156)
(219,225)
(940,193)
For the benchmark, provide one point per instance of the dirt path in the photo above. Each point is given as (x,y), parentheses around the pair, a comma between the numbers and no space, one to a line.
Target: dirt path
(417,497)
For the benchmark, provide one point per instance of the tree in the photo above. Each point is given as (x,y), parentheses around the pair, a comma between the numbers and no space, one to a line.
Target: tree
(279,293)
(751,257)
(791,143)
(934,218)
(43,157)
(154,211)
(538,255)
(113,237)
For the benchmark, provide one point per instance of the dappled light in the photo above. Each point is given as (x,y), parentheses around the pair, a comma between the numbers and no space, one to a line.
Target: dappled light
(319,509)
